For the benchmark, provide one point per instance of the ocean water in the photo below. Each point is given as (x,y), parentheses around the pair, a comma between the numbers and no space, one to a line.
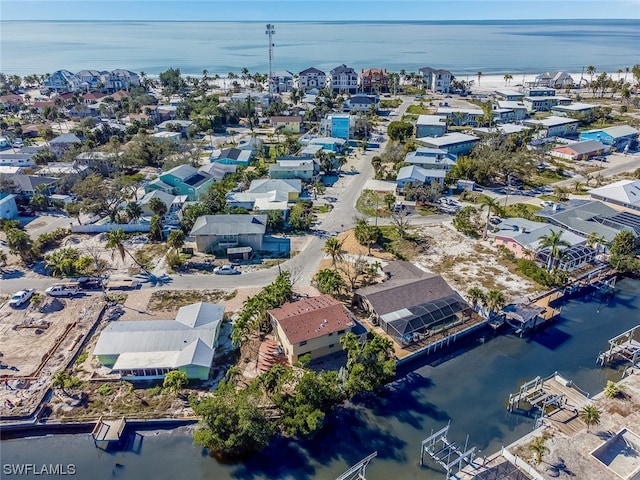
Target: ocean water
(469,386)
(493,47)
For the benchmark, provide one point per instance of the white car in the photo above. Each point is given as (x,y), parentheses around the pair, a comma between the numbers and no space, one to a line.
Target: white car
(21,297)
(226,270)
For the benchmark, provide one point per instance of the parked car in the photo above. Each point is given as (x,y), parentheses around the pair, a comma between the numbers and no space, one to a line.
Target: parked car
(226,270)
(63,289)
(90,283)
(546,203)
(21,297)
(26,213)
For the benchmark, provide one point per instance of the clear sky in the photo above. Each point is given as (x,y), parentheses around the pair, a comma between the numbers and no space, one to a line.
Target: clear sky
(284,10)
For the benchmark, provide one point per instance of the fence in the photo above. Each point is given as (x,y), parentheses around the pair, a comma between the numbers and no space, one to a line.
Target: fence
(521,464)
(126,227)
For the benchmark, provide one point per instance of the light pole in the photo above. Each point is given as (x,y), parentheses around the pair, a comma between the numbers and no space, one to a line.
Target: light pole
(270,32)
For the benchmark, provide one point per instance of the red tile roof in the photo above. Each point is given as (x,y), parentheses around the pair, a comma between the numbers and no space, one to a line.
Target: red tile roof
(119,95)
(312,318)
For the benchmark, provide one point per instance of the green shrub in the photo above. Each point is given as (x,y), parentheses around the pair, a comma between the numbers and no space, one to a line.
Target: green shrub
(105,390)
(82,357)
(611,390)
(155,391)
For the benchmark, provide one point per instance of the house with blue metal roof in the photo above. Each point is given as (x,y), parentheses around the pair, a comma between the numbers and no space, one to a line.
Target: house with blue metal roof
(620,137)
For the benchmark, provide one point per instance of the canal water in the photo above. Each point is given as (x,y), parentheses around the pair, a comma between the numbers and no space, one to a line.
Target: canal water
(468,385)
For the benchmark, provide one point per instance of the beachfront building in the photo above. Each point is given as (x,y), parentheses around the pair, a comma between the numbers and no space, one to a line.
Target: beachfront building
(625,194)
(538,92)
(343,79)
(509,95)
(59,81)
(281,81)
(621,137)
(182,180)
(431,126)
(544,103)
(553,80)
(431,158)
(460,117)
(312,326)
(411,303)
(218,232)
(555,126)
(338,125)
(312,78)
(374,80)
(579,150)
(455,143)
(436,80)
(573,109)
(149,349)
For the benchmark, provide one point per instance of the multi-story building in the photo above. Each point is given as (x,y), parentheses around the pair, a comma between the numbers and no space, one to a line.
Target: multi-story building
(374,80)
(312,78)
(436,80)
(343,79)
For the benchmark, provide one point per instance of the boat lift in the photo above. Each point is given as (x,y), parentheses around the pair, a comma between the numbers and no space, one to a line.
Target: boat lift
(358,471)
(624,346)
(445,452)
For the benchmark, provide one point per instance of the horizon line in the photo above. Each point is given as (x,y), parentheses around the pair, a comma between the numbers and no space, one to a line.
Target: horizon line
(323,20)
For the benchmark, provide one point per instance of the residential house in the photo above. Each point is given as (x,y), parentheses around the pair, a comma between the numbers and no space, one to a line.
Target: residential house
(554,80)
(62,143)
(503,129)
(59,81)
(181,126)
(585,217)
(10,170)
(374,80)
(555,126)
(219,170)
(92,97)
(329,144)
(621,137)
(120,79)
(22,160)
(361,103)
(573,109)
(174,137)
(431,126)
(419,176)
(59,169)
(166,198)
(544,104)
(411,302)
(518,108)
(579,150)
(286,123)
(338,125)
(232,156)
(149,349)
(253,145)
(216,232)
(182,180)
(455,143)
(312,326)
(343,79)
(12,102)
(259,201)
(104,163)
(431,158)
(461,116)
(8,207)
(29,185)
(304,168)
(436,80)
(509,95)
(281,81)
(292,187)
(312,78)
(624,193)
(538,92)
(86,80)
(40,105)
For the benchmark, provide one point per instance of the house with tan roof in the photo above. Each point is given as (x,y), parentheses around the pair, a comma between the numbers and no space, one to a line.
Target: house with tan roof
(312,326)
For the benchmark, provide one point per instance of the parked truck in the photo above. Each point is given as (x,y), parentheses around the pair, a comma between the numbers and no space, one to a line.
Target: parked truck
(126,284)
(21,297)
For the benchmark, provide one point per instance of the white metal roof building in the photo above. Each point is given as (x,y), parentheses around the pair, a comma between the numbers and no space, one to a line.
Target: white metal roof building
(625,193)
(149,349)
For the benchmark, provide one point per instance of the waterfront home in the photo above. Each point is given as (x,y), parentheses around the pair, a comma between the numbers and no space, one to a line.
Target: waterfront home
(419,176)
(579,150)
(374,80)
(181,126)
(312,326)
(286,123)
(312,78)
(509,95)
(62,143)
(538,92)
(218,232)
(518,108)
(621,137)
(219,170)
(338,125)
(304,168)
(232,156)
(86,80)
(361,103)
(572,109)
(104,163)
(431,158)
(544,103)
(585,217)
(182,180)
(59,81)
(455,143)
(329,144)
(281,81)
(343,79)
(411,303)
(503,129)
(8,207)
(149,349)
(553,80)
(461,116)
(431,126)
(436,80)
(625,194)
(555,126)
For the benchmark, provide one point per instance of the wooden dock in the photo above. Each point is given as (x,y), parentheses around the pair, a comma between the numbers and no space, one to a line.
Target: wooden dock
(108,430)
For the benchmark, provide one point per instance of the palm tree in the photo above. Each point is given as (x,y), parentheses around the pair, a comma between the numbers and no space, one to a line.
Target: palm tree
(115,242)
(495,300)
(594,240)
(538,446)
(590,415)
(553,241)
(492,205)
(479,76)
(591,70)
(333,248)
(134,211)
(157,206)
(176,239)
(3,260)
(476,295)
(507,78)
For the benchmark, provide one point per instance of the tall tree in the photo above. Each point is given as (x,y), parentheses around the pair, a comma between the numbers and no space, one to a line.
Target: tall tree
(366,234)
(476,295)
(539,448)
(492,205)
(480,74)
(590,415)
(134,211)
(495,300)
(554,242)
(333,248)
(157,206)
(176,239)
(20,244)
(329,281)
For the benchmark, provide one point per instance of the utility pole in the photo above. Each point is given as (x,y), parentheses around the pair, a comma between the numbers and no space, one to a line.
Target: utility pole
(270,31)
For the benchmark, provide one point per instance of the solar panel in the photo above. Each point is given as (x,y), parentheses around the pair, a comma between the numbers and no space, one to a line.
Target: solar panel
(194,179)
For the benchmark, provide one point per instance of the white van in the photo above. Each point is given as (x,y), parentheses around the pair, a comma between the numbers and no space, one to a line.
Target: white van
(63,289)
